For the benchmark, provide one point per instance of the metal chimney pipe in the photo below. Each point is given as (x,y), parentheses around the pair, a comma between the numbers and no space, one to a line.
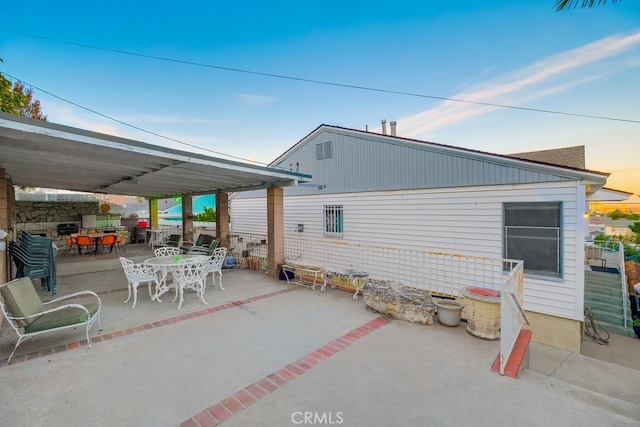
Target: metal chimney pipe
(384,127)
(393,128)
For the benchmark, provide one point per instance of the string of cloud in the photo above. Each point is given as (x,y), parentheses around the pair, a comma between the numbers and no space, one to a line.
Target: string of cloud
(524,85)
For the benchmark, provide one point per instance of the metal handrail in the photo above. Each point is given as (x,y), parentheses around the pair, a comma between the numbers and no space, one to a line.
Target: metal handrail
(625,290)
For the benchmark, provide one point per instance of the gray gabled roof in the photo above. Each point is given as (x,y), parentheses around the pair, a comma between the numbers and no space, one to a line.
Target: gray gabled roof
(41,154)
(367,161)
(567,156)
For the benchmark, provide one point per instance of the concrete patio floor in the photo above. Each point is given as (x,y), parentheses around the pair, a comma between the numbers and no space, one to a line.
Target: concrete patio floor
(266,353)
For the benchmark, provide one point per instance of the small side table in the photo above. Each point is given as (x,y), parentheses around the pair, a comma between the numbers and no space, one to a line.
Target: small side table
(302,272)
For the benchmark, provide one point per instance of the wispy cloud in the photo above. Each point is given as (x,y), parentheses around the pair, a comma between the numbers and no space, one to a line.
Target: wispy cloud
(256,100)
(519,87)
(162,119)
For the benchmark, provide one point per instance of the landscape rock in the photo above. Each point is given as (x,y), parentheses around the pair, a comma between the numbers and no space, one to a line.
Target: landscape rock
(399,301)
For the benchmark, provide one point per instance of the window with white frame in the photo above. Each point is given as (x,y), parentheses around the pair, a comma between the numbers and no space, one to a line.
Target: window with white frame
(333,220)
(323,151)
(533,233)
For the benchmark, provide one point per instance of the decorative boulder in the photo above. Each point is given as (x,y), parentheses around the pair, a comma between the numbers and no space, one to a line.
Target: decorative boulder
(399,301)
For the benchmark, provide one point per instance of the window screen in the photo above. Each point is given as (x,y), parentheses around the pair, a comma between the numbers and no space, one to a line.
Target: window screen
(532,233)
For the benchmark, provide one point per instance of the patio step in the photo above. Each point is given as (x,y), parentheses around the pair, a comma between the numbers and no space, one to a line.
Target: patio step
(519,355)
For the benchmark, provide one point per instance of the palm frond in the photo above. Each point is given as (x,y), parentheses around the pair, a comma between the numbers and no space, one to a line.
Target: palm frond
(565,4)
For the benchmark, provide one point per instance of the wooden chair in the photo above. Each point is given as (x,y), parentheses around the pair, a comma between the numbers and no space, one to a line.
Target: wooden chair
(29,316)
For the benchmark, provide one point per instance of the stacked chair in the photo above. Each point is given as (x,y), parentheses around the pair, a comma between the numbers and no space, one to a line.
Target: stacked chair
(35,257)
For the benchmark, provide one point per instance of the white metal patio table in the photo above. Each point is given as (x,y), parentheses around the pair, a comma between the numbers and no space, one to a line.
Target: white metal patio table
(170,264)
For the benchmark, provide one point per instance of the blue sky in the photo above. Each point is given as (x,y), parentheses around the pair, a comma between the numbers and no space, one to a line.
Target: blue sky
(523,54)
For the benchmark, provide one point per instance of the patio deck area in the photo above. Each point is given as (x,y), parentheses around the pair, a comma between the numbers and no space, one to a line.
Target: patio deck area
(265,353)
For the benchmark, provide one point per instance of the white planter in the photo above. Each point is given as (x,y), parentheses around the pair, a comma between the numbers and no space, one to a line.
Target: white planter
(449,311)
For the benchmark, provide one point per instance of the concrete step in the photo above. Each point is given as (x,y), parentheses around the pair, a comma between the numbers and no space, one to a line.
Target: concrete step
(519,358)
(622,407)
(606,385)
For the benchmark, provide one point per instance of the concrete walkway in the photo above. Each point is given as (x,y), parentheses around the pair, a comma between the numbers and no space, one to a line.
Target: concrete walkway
(264,353)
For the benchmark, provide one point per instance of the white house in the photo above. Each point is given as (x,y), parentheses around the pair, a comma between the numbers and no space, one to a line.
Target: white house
(618,227)
(377,189)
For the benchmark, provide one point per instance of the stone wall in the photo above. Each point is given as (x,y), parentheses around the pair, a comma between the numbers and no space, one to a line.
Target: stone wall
(58,212)
(44,217)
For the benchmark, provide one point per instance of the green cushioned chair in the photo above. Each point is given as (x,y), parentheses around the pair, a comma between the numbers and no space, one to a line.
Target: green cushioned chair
(203,241)
(207,249)
(29,316)
(173,240)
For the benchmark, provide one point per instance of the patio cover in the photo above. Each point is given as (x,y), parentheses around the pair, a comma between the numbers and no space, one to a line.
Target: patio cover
(42,154)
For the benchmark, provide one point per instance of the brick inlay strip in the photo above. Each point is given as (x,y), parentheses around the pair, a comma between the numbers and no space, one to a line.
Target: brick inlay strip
(242,399)
(141,328)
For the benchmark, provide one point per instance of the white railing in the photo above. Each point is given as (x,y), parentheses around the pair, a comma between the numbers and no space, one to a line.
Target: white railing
(442,274)
(612,253)
(625,290)
(512,314)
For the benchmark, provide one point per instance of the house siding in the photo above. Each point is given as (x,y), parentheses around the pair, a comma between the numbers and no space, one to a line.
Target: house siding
(371,162)
(465,220)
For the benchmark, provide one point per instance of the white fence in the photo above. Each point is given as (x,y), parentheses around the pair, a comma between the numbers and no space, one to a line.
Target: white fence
(512,314)
(442,274)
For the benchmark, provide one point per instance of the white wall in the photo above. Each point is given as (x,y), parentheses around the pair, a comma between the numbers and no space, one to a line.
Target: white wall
(455,220)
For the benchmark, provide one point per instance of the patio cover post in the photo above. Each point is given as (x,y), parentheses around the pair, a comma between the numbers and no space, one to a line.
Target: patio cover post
(6,190)
(187,218)
(222,218)
(153,213)
(275,229)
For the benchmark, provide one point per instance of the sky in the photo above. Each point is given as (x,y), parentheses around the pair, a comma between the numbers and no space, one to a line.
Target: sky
(249,79)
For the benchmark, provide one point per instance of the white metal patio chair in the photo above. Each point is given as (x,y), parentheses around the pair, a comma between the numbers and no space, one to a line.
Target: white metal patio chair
(214,265)
(136,274)
(29,316)
(166,251)
(190,274)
